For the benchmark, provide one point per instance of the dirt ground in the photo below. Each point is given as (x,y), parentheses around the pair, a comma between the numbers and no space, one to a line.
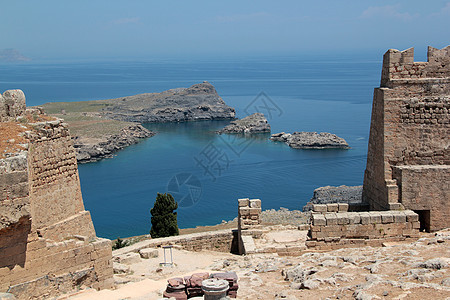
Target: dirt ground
(403,270)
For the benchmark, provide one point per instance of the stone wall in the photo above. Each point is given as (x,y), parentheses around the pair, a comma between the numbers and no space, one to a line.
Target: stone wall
(410,126)
(249,211)
(353,229)
(47,240)
(220,241)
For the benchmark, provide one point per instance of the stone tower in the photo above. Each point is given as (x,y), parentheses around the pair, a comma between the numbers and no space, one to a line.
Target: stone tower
(409,146)
(48,244)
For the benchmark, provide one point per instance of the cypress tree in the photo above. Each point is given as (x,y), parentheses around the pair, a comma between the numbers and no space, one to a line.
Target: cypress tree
(164,219)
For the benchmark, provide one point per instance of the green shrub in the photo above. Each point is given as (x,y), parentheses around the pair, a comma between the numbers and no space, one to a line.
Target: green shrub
(164,219)
(119,243)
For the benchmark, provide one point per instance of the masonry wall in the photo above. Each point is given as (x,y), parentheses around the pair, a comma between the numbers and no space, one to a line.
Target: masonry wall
(426,188)
(220,241)
(353,229)
(47,240)
(410,124)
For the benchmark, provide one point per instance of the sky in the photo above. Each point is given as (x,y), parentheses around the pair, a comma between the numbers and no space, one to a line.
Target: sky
(171,28)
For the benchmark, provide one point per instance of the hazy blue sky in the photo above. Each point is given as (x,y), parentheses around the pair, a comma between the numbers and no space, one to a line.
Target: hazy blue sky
(145,29)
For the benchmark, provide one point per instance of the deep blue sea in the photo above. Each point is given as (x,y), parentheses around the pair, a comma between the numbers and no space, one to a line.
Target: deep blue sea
(206,172)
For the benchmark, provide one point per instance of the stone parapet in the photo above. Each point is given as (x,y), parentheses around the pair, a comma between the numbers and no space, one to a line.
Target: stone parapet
(220,241)
(345,228)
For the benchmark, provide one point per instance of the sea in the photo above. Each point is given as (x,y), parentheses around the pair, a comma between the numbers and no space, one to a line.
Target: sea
(206,172)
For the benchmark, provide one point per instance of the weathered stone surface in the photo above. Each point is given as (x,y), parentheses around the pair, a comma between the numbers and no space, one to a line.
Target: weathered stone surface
(198,102)
(128,258)
(408,157)
(255,123)
(120,268)
(44,228)
(14,101)
(310,140)
(149,253)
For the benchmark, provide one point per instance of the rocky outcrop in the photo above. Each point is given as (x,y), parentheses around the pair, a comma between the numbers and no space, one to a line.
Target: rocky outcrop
(255,123)
(198,102)
(90,149)
(311,140)
(351,195)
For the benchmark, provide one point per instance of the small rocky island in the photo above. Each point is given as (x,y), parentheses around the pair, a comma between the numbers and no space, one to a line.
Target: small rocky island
(255,123)
(311,140)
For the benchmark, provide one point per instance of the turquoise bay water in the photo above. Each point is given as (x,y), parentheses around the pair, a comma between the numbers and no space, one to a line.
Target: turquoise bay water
(330,94)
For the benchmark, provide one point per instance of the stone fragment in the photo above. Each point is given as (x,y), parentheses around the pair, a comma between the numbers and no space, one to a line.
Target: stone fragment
(148,253)
(243,202)
(319,208)
(14,101)
(255,203)
(120,268)
(319,220)
(332,207)
(128,258)
(342,207)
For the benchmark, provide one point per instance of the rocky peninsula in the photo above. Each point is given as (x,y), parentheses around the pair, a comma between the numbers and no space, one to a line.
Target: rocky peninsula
(311,140)
(255,123)
(102,127)
(94,149)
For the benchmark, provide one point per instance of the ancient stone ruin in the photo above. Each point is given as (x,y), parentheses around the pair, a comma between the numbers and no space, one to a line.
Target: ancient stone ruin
(409,147)
(248,219)
(48,244)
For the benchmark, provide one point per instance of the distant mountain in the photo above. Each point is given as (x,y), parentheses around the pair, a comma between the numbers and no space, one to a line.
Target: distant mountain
(12,55)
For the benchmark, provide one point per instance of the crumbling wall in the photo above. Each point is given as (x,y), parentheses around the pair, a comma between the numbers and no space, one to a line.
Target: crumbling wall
(47,240)
(410,125)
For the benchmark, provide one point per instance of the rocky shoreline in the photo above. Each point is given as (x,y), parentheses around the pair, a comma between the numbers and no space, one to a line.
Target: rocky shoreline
(310,140)
(352,195)
(255,123)
(91,149)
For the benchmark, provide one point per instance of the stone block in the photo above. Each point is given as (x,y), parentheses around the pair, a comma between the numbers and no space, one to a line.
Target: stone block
(14,101)
(120,268)
(319,220)
(332,207)
(322,208)
(331,218)
(243,211)
(399,217)
(128,258)
(148,253)
(354,218)
(375,218)
(243,202)
(387,217)
(365,218)
(342,207)
(255,203)
(342,218)
(411,216)
(254,211)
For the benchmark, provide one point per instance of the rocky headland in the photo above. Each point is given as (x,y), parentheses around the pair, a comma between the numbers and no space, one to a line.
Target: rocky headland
(352,195)
(311,140)
(102,127)
(198,102)
(255,123)
(94,149)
